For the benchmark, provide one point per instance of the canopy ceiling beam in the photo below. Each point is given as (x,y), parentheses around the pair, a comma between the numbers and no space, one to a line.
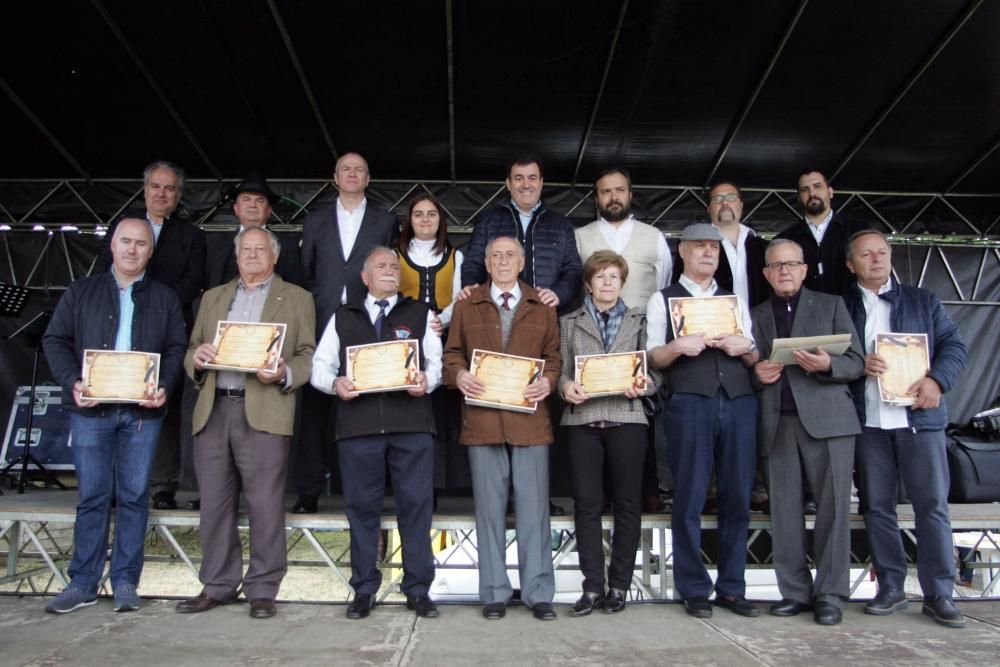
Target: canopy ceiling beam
(967,13)
(157,88)
(40,126)
(972,166)
(748,105)
(450,38)
(655,49)
(600,91)
(302,79)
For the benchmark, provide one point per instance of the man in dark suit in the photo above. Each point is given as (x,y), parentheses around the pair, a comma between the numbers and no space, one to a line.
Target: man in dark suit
(178,262)
(335,242)
(807,422)
(253,202)
(822,234)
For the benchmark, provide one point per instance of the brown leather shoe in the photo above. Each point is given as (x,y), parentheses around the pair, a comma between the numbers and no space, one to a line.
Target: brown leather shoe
(262,608)
(200,603)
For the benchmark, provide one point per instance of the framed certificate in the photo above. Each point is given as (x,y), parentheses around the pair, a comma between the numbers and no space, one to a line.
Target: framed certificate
(248,346)
(506,376)
(611,374)
(710,315)
(391,366)
(908,360)
(120,377)
(782,348)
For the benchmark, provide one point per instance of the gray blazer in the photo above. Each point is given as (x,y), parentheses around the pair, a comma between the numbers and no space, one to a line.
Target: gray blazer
(578,334)
(823,400)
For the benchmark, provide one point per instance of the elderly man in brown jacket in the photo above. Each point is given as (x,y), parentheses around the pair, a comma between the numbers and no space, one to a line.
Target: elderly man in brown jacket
(506,315)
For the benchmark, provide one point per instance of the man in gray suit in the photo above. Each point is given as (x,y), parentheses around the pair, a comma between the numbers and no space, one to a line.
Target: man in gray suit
(335,242)
(807,422)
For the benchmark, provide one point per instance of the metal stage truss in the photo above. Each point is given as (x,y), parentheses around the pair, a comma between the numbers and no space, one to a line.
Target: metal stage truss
(34,555)
(50,228)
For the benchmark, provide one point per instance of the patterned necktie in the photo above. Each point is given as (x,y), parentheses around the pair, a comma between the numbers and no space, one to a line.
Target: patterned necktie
(507,296)
(380,320)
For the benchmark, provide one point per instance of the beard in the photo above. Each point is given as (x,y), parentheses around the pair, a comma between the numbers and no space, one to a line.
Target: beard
(815,206)
(617,215)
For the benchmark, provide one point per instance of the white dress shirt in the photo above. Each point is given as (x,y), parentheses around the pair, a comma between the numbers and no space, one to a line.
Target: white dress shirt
(422,253)
(878,413)
(349,224)
(736,253)
(819,230)
(497,295)
(326,360)
(617,237)
(656,313)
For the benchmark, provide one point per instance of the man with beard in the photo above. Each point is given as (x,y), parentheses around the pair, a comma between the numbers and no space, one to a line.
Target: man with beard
(823,235)
(642,245)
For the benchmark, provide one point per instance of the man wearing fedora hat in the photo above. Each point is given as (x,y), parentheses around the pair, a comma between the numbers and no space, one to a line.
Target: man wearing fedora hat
(253,201)
(710,420)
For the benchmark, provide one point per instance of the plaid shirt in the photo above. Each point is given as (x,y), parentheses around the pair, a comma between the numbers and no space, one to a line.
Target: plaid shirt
(608,321)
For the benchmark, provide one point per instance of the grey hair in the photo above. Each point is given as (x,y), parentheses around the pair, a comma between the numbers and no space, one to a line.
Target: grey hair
(489,245)
(163,164)
(275,243)
(149,227)
(777,243)
(849,248)
(375,250)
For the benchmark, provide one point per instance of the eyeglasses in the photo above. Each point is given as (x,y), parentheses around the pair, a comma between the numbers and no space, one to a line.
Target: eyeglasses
(778,266)
(729,196)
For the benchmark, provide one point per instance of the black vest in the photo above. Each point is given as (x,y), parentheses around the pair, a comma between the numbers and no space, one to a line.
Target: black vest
(708,371)
(391,411)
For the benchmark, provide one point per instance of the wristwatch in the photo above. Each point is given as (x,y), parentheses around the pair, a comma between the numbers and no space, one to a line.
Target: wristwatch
(753,348)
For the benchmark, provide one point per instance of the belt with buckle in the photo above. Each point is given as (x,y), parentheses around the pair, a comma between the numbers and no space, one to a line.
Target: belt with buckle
(230,393)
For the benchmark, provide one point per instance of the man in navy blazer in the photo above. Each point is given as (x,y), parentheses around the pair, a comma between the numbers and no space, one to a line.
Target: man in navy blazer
(335,241)
(807,422)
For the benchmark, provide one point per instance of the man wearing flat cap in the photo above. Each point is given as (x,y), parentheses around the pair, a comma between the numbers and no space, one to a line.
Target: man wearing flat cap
(711,418)
(253,204)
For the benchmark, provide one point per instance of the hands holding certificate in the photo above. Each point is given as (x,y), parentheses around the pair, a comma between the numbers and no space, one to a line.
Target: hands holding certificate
(769,372)
(473,387)
(926,392)
(345,390)
(207,352)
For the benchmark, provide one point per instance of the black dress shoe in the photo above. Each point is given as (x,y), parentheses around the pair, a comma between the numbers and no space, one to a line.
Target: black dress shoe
(887,601)
(614,601)
(699,607)
(944,612)
(360,606)
(200,603)
(789,608)
(494,611)
(423,606)
(262,608)
(305,505)
(543,611)
(164,500)
(738,605)
(556,510)
(193,505)
(826,613)
(587,603)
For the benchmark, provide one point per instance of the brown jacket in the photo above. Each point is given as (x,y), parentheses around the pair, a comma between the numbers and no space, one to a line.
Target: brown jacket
(475,323)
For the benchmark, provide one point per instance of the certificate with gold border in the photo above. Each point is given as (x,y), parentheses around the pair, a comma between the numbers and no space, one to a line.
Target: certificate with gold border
(710,315)
(907,358)
(611,374)
(120,377)
(506,376)
(378,367)
(248,347)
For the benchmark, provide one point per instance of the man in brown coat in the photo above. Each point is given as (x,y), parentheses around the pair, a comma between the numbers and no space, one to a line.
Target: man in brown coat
(506,315)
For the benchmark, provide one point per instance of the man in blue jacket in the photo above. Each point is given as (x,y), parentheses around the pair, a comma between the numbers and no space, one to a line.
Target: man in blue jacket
(551,260)
(904,440)
(114,443)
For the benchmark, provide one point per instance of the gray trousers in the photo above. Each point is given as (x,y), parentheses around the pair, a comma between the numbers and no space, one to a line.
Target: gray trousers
(827,465)
(493,467)
(230,457)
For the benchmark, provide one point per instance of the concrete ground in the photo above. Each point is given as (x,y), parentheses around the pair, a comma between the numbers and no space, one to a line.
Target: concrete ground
(650,633)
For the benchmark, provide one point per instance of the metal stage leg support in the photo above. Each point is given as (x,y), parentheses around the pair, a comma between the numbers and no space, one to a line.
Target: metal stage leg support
(45,554)
(169,537)
(13,547)
(324,554)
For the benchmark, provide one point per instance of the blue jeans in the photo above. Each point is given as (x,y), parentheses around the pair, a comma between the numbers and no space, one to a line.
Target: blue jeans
(112,453)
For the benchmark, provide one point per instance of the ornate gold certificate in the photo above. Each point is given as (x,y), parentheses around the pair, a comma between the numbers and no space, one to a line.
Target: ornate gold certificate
(907,358)
(120,377)
(611,374)
(710,315)
(248,346)
(506,376)
(391,366)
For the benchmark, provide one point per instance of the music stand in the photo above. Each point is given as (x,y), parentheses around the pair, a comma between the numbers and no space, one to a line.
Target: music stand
(12,301)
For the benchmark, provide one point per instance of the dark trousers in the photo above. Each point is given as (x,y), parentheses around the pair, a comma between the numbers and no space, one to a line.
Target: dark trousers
(230,456)
(315,431)
(705,432)
(921,460)
(410,458)
(621,450)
